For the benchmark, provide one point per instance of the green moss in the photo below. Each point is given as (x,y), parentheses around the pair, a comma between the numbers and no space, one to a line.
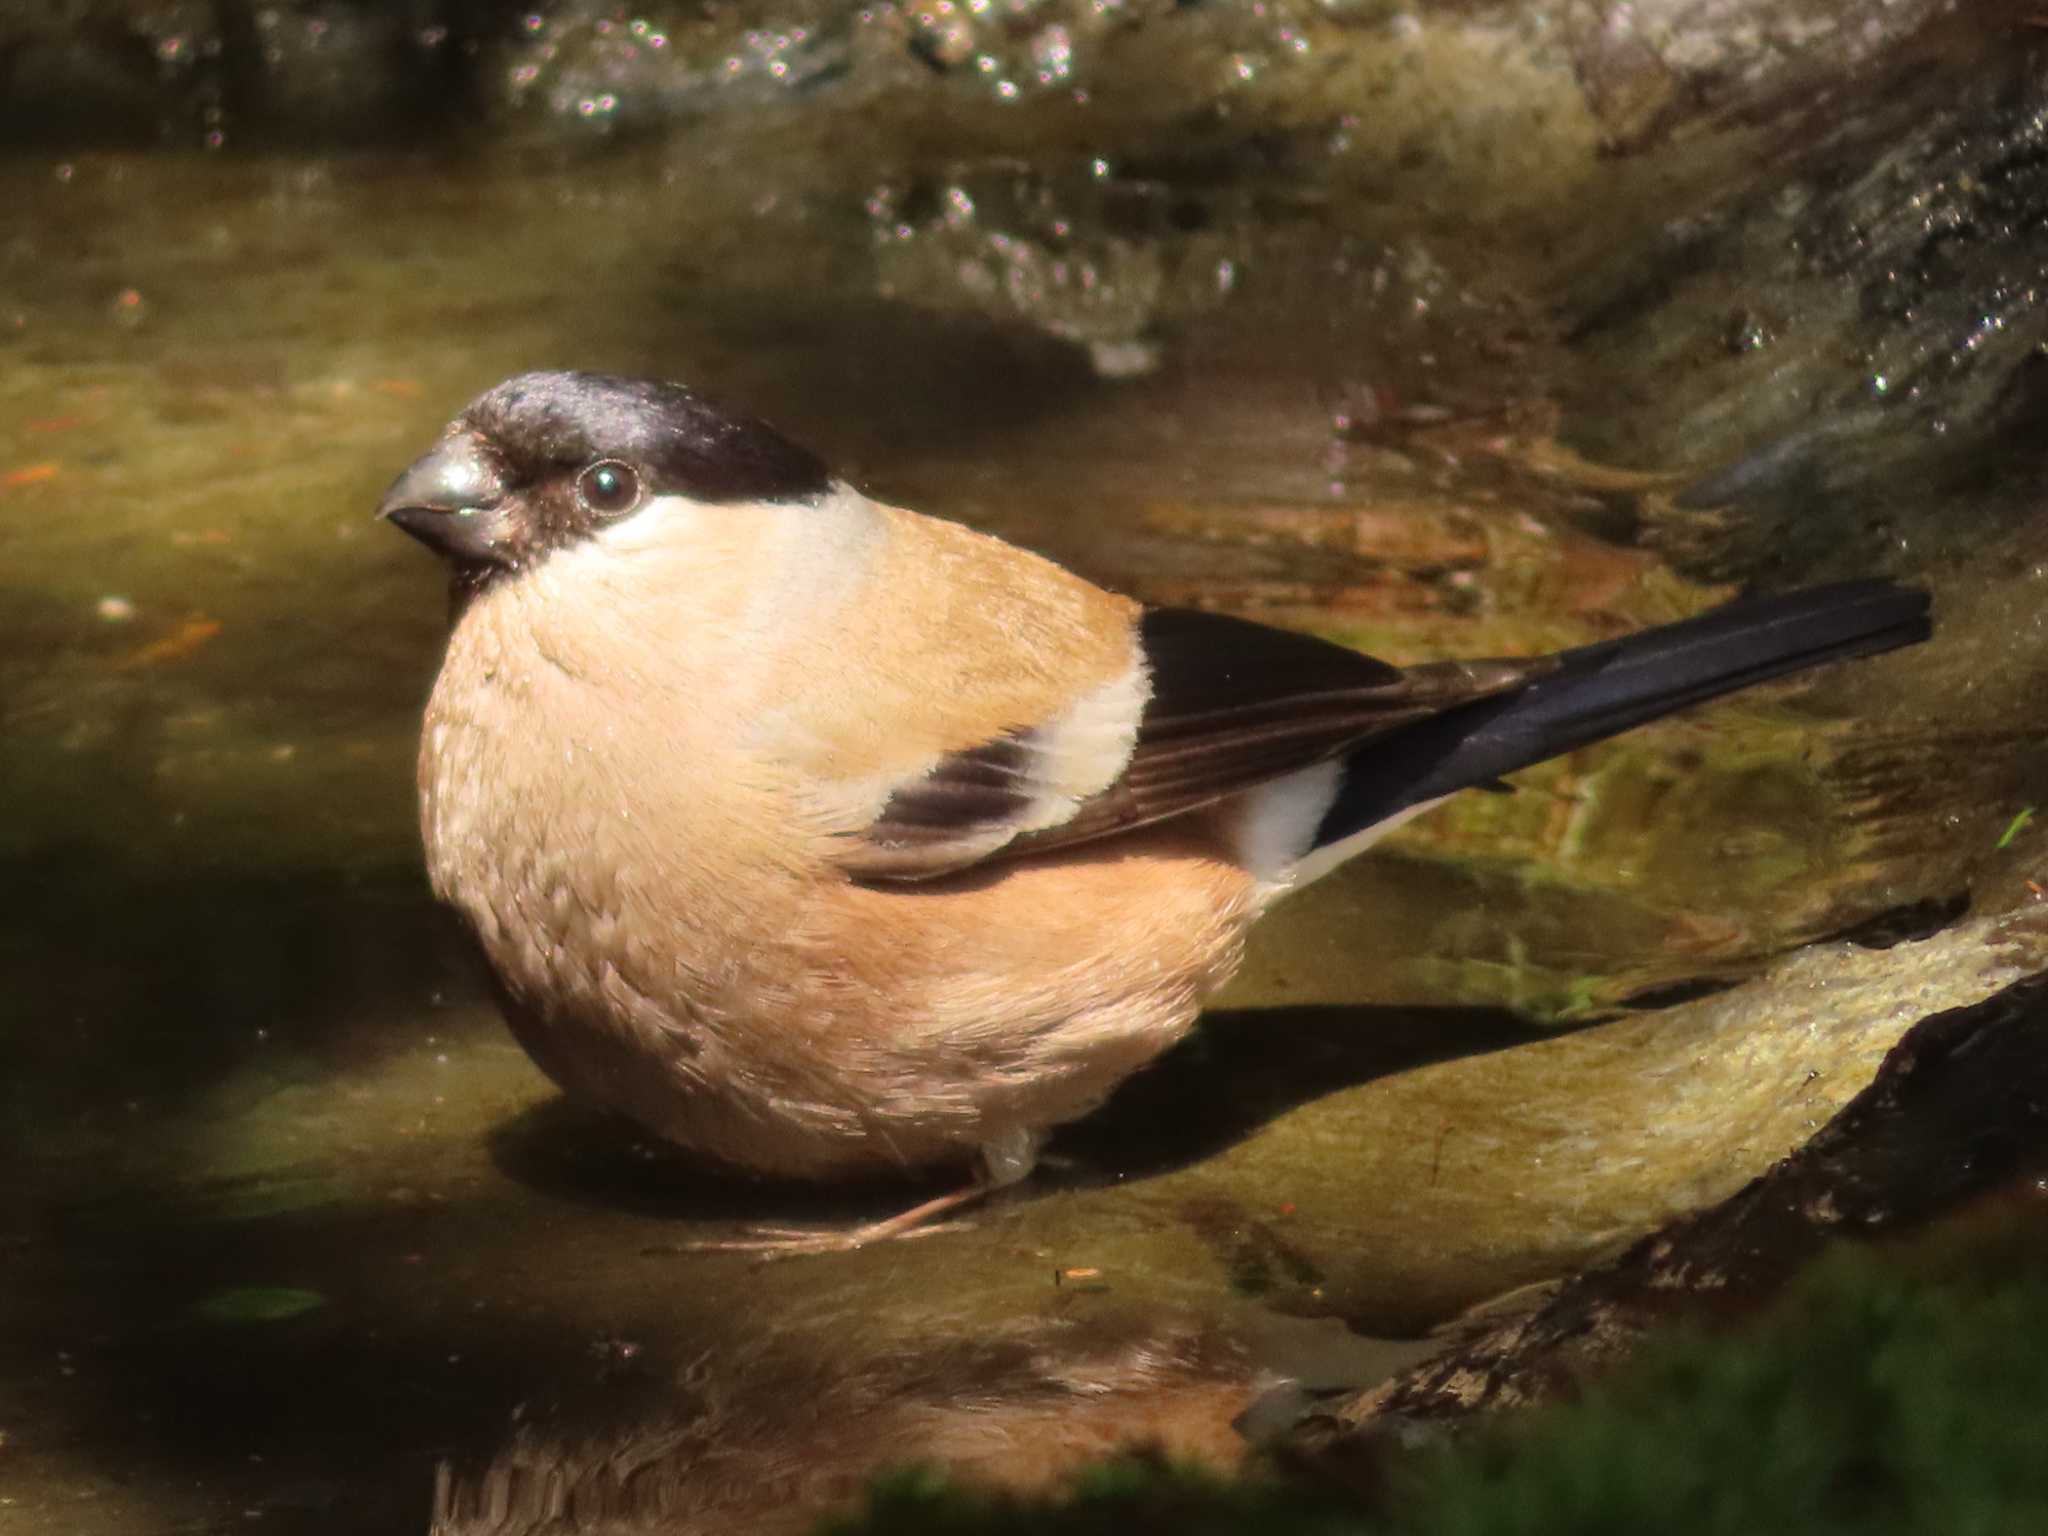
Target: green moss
(1116,1498)
(1876,1398)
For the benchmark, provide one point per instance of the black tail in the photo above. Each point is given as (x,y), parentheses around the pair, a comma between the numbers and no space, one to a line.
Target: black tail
(1601,690)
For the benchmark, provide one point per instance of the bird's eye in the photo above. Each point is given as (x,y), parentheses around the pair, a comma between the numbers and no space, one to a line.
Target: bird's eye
(609,488)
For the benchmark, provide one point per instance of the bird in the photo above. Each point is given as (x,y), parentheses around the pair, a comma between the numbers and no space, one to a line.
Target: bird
(822,837)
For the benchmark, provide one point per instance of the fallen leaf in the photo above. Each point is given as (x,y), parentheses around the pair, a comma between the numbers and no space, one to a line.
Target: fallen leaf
(181,642)
(28,474)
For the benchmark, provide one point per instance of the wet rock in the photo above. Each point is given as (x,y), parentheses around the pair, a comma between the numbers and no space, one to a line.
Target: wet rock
(1426,1167)
(1100,265)
(590,69)
(1458,91)
(1958,1108)
(1882,289)
(1646,67)
(1015,47)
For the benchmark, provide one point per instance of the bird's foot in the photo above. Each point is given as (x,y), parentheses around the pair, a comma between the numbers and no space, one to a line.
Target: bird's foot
(788,1242)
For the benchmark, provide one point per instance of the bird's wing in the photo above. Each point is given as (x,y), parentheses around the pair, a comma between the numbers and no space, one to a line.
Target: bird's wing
(1215,706)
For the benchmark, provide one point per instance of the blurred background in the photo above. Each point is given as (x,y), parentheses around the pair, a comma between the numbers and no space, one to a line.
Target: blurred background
(1446,327)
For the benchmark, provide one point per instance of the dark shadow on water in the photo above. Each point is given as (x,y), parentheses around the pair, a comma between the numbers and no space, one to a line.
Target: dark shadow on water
(153,985)
(1908,923)
(1240,1070)
(1244,1068)
(1670,994)
(327,1422)
(570,1152)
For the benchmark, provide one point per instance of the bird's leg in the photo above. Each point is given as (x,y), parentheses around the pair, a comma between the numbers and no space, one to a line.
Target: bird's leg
(1004,1162)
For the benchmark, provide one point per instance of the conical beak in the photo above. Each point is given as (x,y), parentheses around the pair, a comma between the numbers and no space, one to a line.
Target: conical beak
(455,500)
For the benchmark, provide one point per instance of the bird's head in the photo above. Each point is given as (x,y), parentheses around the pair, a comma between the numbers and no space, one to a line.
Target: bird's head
(546,460)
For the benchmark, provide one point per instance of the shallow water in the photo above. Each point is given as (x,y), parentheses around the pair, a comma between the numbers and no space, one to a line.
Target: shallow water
(291,1217)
